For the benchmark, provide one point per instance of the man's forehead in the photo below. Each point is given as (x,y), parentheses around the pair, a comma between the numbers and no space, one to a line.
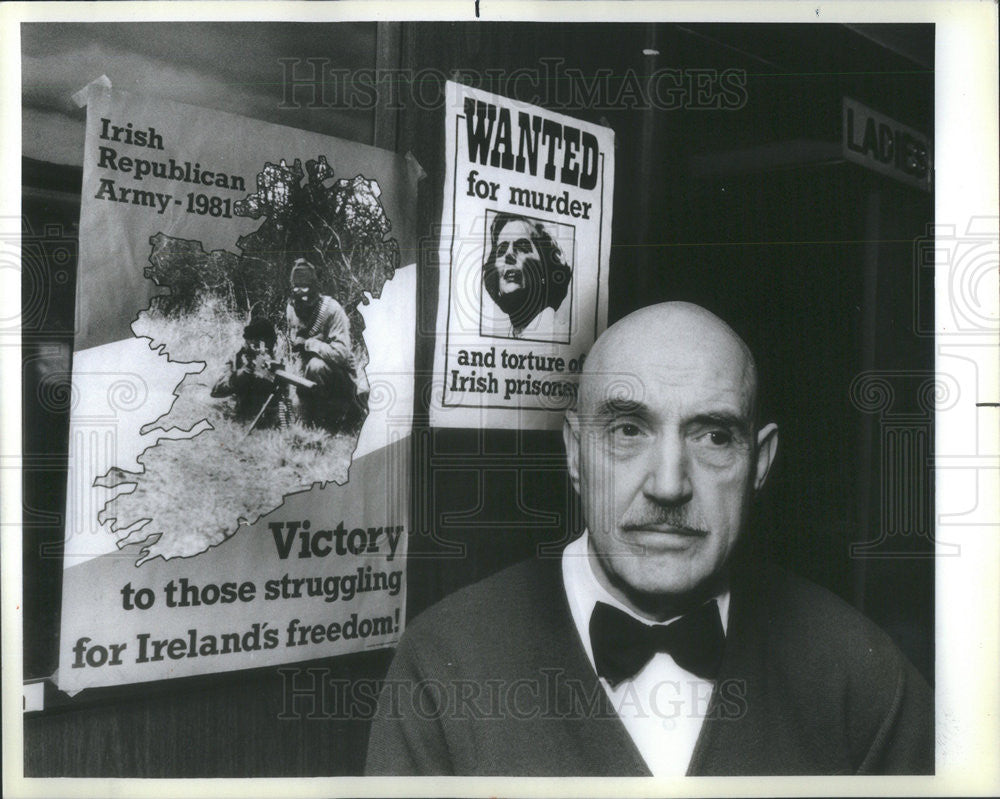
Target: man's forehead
(676,354)
(670,388)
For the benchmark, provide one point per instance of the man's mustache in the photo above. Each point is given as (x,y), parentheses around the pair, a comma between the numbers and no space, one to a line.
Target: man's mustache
(655,516)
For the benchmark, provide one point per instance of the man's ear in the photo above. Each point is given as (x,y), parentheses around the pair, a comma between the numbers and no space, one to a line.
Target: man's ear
(767,447)
(571,438)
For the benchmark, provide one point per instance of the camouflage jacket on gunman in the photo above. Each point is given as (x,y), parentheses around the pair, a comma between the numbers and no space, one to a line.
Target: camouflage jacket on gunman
(326,335)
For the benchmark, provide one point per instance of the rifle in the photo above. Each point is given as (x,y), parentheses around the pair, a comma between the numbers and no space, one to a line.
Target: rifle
(282,377)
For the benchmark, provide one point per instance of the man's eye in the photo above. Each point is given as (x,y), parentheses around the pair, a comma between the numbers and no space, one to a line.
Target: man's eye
(502,248)
(626,430)
(522,245)
(720,438)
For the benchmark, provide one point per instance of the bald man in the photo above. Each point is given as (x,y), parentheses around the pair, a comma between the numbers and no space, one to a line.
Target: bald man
(645,648)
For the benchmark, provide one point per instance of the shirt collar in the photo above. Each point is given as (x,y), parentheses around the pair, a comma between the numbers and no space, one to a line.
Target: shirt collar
(583,591)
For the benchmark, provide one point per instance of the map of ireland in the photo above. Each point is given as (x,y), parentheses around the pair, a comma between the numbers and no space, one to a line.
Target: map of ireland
(207,474)
(242,395)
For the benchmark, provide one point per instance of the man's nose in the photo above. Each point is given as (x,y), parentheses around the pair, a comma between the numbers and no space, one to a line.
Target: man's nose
(668,480)
(510,258)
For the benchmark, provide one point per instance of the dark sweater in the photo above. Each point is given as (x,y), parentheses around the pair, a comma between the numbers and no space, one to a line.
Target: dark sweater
(493,680)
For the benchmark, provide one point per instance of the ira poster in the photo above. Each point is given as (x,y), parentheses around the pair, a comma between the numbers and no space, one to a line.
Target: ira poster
(524,252)
(242,396)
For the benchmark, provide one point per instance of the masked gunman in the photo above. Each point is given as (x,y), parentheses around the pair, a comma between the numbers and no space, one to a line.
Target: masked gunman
(320,335)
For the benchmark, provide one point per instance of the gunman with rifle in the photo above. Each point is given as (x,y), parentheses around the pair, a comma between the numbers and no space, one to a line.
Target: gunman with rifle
(258,381)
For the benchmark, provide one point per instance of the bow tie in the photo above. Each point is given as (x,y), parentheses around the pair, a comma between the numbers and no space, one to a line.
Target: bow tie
(623,645)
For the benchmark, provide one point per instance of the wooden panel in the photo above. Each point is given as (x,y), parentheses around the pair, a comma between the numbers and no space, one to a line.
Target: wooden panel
(233,726)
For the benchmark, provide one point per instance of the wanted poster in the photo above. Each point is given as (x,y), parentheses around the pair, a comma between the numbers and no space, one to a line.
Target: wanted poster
(525,245)
(242,396)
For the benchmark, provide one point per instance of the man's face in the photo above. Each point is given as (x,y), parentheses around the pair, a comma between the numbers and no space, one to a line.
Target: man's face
(304,293)
(664,455)
(516,259)
(257,346)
